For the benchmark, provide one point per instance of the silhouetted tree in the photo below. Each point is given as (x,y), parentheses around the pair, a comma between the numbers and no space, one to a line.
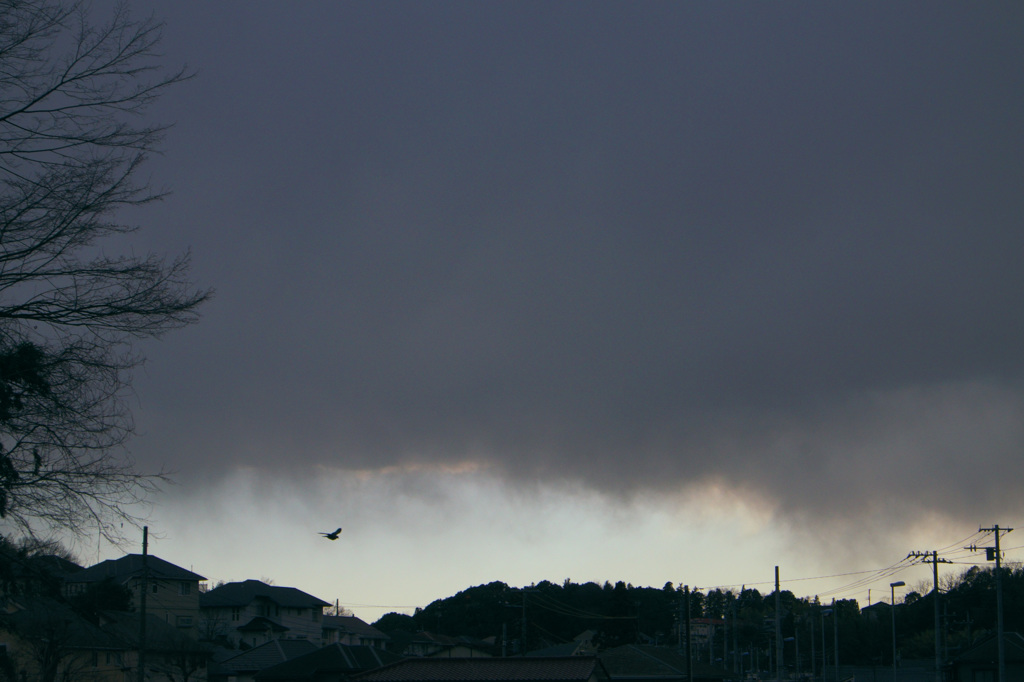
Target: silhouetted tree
(619,612)
(47,632)
(105,595)
(71,143)
(33,567)
(396,622)
(716,603)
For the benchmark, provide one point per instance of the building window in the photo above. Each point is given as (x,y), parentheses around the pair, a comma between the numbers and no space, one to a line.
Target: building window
(236,613)
(184,621)
(184,589)
(154,588)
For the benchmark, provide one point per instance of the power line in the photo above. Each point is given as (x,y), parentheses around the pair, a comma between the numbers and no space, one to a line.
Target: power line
(383,606)
(870,576)
(562,609)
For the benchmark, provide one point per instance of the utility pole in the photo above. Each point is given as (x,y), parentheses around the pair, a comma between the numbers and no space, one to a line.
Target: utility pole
(934,561)
(835,634)
(689,654)
(824,658)
(778,628)
(680,618)
(522,646)
(811,619)
(990,554)
(736,658)
(142,604)
(522,650)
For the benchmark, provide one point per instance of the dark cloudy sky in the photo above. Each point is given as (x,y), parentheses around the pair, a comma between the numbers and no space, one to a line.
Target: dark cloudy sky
(761,258)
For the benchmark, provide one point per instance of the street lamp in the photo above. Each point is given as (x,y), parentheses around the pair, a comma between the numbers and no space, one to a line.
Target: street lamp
(796,655)
(892,607)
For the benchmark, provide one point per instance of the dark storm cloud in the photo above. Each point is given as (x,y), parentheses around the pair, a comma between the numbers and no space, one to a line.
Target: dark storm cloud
(644,245)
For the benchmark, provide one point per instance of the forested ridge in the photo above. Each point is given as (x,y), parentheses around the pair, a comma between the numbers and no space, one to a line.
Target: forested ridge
(622,613)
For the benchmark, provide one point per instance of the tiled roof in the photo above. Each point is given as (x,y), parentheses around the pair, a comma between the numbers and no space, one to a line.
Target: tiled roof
(651,662)
(572,669)
(32,615)
(266,655)
(404,641)
(333,658)
(130,566)
(56,565)
(351,624)
(568,649)
(987,649)
(262,624)
(244,593)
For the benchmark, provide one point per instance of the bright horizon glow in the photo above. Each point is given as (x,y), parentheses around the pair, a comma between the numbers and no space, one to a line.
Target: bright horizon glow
(412,538)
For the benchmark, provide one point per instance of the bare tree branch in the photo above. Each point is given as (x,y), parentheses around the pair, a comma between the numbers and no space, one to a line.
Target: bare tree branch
(72,96)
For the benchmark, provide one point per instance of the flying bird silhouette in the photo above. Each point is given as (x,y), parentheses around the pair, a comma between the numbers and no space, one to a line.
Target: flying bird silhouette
(332,536)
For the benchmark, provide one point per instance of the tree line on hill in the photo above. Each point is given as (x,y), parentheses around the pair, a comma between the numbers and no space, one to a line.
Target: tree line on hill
(743,621)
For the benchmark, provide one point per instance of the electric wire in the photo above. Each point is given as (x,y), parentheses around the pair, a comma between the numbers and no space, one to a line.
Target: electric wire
(956,553)
(546,602)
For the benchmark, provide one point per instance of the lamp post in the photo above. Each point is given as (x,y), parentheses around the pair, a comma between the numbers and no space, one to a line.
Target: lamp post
(892,607)
(796,653)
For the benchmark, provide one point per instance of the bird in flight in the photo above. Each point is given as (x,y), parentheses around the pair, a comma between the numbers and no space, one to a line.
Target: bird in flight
(332,536)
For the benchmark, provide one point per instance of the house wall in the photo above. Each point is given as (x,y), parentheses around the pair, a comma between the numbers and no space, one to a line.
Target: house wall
(161,666)
(174,601)
(459,651)
(304,623)
(971,671)
(335,636)
(215,623)
(71,664)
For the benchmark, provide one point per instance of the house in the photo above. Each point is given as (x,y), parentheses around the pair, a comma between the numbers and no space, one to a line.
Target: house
(581,645)
(33,574)
(704,632)
(251,613)
(569,669)
(880,610)
(332,663)
(172,652)
(632,663)
(42,637)
(352,631)
(559,650)
(242,667)
(172,592)
(981,661)
(431,645)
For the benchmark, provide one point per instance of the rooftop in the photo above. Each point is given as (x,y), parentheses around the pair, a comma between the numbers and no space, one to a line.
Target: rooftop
(130,566)
(572,669)
(244,593)
(333,658)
